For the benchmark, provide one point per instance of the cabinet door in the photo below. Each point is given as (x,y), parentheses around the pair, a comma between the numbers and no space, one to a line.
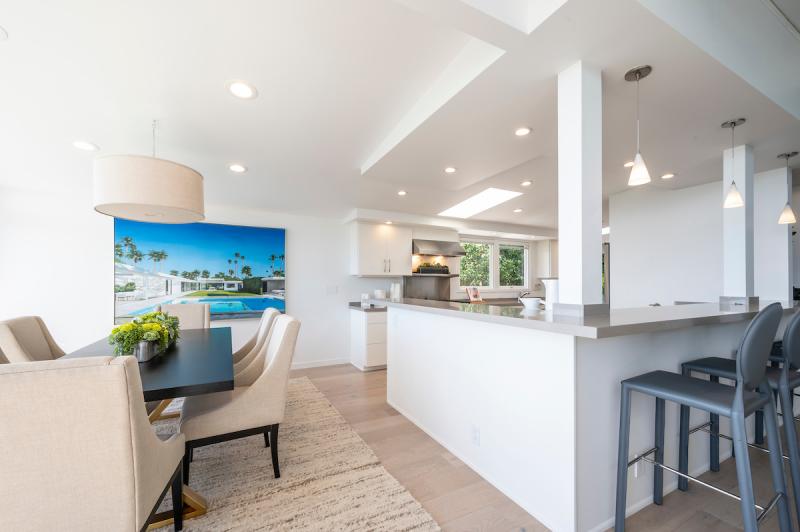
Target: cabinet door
(398,248)
(370,250)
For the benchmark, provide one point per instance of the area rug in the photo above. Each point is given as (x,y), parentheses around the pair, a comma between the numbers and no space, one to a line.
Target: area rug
(330,478)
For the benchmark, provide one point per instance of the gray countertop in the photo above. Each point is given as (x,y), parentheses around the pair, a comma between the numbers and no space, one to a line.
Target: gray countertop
(379,307)
(620,322)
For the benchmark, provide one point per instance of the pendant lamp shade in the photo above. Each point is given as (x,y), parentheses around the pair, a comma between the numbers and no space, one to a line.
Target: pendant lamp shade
(639,174)
(787,215)
(147,189)
(733,198)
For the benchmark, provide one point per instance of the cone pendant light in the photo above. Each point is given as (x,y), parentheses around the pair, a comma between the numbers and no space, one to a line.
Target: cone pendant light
(787,214)
(639,174)
(733,198)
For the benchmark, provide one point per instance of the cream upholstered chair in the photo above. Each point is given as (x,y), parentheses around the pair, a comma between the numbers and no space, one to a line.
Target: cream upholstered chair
(247,370)
(190,315)
(79,453)
(246,410)
(26,339)
(249,345)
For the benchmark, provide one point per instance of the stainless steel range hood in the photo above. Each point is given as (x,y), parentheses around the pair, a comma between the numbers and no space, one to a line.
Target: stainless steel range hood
(437,247)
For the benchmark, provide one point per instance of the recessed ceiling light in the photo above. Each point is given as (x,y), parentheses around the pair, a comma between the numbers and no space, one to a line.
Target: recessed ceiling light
(605,230)
(86,146)
(480,202)
(517,210)
(667,176)
(526,183)
(450,170)
(628,164)
(522,131)
(401,192)
(241,89)
(237,168)
(388,222)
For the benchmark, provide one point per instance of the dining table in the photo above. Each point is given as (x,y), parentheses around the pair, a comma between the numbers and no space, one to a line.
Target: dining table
(200,362)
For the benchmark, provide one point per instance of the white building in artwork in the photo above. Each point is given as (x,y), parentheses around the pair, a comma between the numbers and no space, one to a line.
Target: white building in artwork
(132,283)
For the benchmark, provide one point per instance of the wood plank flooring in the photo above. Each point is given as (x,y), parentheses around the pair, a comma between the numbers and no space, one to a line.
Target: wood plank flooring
(460,500)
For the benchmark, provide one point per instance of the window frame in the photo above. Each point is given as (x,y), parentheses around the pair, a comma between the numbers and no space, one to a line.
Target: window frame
(494,263)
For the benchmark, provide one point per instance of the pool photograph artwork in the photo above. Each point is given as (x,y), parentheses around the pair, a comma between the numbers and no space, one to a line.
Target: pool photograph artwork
(238,270)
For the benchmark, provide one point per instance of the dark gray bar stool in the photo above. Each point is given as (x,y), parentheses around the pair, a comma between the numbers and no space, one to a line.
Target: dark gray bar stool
(751,393)
(782,380)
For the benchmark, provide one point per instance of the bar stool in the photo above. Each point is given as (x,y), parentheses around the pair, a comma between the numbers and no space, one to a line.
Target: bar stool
(737,403)
(782,380)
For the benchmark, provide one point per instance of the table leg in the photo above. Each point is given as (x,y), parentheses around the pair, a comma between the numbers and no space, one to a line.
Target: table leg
(157,414)
(194,505)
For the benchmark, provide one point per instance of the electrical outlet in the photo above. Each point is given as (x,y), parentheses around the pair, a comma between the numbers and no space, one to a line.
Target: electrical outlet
(476,436)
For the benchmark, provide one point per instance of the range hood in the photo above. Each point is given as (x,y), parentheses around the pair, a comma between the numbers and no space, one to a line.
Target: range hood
(437,247)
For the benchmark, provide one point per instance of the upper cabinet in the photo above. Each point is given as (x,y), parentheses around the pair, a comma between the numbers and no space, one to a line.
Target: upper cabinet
(380,250)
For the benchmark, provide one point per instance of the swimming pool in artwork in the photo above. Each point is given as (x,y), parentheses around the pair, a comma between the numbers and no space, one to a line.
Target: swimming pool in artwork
(227,307)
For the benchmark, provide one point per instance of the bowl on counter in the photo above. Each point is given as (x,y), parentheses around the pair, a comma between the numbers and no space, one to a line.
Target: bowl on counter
(531,303)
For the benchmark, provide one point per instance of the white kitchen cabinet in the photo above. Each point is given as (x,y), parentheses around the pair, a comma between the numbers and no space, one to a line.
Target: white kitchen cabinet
(380,250)
(367,339)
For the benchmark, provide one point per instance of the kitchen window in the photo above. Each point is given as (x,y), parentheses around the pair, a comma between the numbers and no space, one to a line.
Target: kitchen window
(495,265)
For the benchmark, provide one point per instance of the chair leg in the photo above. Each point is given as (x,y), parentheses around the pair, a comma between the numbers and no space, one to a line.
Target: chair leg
(177,500)
(658,473)
(186,462)
(791,443)
(759,439)
(713,449)
(776,461)
(273,439)
(743,474)
(191,454)
(266,437)
(622,458)
(683,451)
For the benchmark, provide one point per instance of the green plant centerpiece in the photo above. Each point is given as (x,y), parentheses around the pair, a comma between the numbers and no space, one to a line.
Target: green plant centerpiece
(145,336)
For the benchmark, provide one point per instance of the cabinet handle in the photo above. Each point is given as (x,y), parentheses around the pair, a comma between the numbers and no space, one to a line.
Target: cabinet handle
(390,265)
(384,265)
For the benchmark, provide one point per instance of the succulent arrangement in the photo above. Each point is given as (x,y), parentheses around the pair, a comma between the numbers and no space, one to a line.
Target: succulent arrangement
(157,327)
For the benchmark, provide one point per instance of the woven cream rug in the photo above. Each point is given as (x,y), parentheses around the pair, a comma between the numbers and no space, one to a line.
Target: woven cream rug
(330,479)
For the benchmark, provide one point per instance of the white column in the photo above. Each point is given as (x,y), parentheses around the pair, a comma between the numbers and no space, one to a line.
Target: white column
(580,186)
(737,224)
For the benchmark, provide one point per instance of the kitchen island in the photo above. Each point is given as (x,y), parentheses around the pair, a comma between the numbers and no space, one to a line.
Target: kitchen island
(530,401)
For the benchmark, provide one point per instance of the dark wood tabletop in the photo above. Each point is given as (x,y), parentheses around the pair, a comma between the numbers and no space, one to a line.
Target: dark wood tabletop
(200,362)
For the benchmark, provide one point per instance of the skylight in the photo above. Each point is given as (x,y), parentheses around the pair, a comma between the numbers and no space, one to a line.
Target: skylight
(480,202)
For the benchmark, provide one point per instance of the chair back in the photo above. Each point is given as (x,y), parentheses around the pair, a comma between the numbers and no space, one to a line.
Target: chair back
(791,342)
(273,382)
(755,347)
(26,339)
(190,315)
(69,445)
(263,334)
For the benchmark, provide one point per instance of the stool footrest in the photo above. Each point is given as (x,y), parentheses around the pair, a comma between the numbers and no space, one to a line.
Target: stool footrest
(726,437)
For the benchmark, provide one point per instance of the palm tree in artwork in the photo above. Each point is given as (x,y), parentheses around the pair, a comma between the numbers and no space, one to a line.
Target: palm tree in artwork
(205,274)
(272,259)
(247,271)
(176,273)
(230,273)
(236,257)
(118,252)
(282,258)
(135,255)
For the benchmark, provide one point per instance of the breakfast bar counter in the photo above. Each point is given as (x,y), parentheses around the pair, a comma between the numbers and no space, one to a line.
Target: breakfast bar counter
(530,401)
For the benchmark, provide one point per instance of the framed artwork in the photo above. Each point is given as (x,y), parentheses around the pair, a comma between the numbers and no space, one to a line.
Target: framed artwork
(238,270)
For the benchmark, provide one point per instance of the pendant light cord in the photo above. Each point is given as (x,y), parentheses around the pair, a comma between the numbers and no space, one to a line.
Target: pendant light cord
(637,111)
(733,153)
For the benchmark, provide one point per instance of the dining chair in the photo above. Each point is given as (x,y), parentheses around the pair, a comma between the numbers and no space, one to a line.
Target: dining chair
(246,410)
(190,315)
(79,453)
(26,339)
(250,344)
(247,370)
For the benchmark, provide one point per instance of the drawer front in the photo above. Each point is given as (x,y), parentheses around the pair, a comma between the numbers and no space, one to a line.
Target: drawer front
(376,333)
(376,355)
(376,317)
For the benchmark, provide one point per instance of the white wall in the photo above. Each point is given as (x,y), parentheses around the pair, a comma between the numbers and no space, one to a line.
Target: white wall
(666,245)
(56,261)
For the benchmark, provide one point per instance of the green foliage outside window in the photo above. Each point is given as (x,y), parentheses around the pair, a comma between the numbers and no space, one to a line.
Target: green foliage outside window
(512,266)
(475,265)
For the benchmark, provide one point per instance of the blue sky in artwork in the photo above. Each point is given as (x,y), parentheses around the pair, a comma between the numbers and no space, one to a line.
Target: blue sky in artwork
(201,246)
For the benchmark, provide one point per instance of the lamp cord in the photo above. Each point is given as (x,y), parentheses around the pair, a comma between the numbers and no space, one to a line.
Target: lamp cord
(637,112)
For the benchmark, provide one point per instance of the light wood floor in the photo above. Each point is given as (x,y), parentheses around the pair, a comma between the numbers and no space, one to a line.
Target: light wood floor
(459,499)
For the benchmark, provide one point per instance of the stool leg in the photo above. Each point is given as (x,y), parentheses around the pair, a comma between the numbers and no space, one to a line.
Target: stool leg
(714,436)
(658,473)
(759,427)
(791,443)
(776,460)
(683,451)
(622,458)
(743,475)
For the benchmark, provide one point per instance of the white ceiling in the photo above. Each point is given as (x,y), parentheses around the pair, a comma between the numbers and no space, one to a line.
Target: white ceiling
(336,81)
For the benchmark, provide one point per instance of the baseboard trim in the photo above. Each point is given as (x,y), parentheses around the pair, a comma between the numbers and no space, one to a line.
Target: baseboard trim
(321,363)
